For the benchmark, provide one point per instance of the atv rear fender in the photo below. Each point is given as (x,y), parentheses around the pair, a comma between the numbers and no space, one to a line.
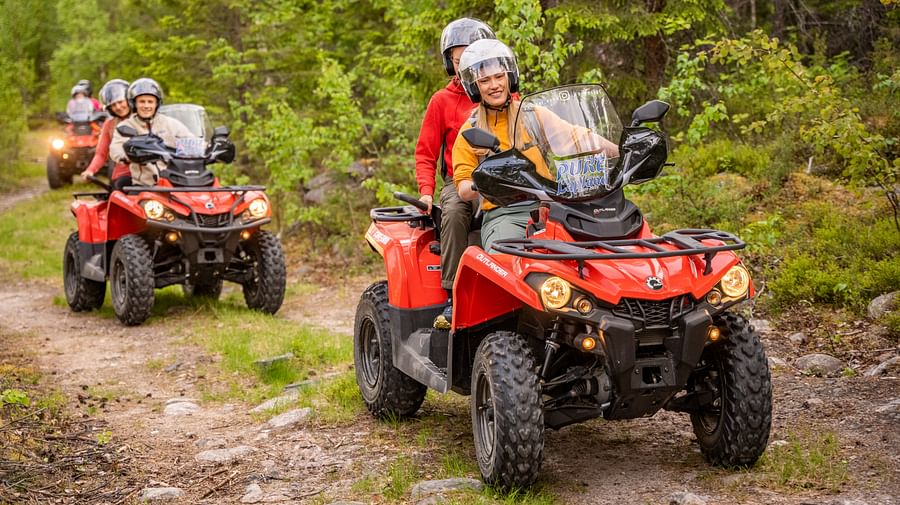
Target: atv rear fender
(413,270)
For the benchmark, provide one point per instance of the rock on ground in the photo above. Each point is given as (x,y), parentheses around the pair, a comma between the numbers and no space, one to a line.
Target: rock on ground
(288,419)
(439,486)
(819,364)
(685,498)
(272,403)
(180,408)
(252,494)
(883,304)
(223,455)
(161,493)
(888,367)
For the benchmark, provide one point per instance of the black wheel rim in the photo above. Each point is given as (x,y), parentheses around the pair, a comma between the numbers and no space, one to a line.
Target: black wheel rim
(120,283)
(484,416)
(70,276)
(370,353)
(711,415)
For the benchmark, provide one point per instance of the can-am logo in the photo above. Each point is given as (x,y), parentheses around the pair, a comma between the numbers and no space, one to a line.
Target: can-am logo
(209,205)
(654,283)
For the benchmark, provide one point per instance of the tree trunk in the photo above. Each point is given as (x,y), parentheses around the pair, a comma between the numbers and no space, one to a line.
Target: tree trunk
(655,56)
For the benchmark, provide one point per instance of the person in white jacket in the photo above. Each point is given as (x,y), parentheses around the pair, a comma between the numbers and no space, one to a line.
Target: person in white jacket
(145,96)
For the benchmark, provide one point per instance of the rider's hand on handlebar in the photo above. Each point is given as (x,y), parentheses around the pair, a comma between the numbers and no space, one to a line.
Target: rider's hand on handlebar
(86,174)
(428,200)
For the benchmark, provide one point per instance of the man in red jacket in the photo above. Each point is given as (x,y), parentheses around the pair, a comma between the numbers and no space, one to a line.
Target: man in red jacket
(447,110)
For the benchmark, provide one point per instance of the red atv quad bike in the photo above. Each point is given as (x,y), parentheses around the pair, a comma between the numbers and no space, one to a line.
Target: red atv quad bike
(186,230)
(72,153)
(589,315)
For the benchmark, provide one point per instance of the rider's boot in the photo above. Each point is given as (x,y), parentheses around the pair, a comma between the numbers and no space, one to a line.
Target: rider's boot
(442,321)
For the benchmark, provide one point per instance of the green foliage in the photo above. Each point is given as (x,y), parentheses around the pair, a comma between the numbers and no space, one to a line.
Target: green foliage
(14,397)
(764,86)
(33,242)
(832,256)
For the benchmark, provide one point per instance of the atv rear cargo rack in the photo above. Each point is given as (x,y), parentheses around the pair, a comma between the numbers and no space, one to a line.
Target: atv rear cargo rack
(687,241)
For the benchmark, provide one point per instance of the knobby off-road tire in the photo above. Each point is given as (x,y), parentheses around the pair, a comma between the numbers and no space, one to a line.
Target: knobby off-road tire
(733,430)
(54,179)
(210,289)
(81,294)
(131,282)
(386,391)
(265,292)
(507,412)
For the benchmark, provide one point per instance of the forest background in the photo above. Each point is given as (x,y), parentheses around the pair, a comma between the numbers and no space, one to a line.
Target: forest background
(784,124)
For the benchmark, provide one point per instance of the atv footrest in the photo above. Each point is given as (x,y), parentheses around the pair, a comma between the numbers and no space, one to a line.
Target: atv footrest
(412,358)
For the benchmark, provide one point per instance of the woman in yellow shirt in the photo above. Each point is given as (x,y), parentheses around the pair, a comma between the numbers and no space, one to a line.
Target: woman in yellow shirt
(489,75)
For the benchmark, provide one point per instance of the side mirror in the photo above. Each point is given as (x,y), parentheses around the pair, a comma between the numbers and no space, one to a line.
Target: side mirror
(650,112)
(126,131)
(222,149)
(481,138)
(221,131)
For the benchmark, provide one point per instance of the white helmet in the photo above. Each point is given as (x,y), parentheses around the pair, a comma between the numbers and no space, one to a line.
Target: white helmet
(487,57)
(462,32)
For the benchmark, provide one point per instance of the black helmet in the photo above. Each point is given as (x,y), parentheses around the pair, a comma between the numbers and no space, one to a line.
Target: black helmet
(112,92)
(144,86)
(462,32)
(87,86)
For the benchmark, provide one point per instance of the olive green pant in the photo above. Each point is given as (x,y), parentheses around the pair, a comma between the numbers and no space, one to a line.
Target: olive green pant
(456,222)
(504,222)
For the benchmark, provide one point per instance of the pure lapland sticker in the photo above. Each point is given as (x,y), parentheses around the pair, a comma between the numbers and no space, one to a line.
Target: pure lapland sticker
(582,175)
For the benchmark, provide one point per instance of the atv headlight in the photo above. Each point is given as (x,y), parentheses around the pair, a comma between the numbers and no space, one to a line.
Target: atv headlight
(57,144)
(736,282)
(153,209)
(258,208)
(555,292)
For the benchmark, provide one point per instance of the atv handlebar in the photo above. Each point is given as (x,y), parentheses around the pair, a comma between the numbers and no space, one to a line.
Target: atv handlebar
(99,182)
(415,202)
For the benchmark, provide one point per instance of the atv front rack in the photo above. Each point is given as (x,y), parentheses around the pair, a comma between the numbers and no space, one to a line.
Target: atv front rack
(687,242)
(192,189)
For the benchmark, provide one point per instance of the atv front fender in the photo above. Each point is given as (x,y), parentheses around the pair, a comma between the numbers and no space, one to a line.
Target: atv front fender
(488,286)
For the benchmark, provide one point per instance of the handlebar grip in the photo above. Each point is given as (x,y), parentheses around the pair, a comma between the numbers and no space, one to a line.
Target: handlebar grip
(415,202)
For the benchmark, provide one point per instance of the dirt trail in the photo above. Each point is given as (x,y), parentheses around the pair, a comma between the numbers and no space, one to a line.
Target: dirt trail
(639,461)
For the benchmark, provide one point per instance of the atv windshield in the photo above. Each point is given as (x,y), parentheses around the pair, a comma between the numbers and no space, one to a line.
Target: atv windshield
(80,110)
(571,134)
(192,116)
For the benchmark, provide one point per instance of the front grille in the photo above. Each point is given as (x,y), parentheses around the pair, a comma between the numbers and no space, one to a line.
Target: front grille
(648,314)
(213,221)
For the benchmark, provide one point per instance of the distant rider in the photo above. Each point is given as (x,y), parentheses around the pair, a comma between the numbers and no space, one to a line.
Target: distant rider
(84,89)
(112,95)
(446,112)
(145,96)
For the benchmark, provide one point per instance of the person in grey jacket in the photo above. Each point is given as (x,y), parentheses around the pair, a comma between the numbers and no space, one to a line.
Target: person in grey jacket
(145,96)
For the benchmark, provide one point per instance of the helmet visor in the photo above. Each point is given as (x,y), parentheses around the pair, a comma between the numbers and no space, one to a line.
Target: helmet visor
(486,68)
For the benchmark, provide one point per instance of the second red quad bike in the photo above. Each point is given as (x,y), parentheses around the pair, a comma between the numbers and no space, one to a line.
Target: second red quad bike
(73,152)
(186,230)
(589,315)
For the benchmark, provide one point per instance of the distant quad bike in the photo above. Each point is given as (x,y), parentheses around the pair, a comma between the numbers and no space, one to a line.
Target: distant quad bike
(70,154)
(588,315)
(186,230)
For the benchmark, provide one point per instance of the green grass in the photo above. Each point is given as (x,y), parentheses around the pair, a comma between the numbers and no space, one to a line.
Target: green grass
(807,461)
(241,337)
(34,235)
